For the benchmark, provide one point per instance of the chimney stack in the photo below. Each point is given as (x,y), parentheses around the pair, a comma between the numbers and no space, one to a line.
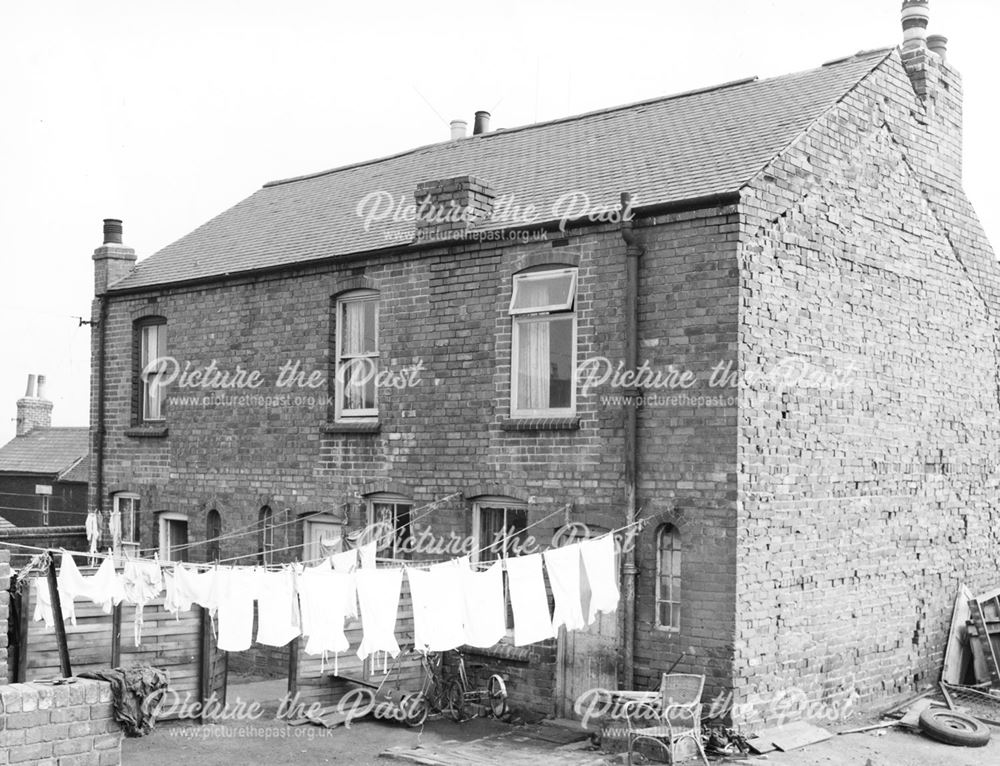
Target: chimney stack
(112,260)
(458,128)
(482,124)
(34,410)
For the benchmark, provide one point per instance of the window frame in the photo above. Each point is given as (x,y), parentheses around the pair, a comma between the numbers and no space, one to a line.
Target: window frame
(135,525)
(368,413)
(543,314)
(45,509)
(143,384)
(213,537)
(163,520)
(674,581)
(395,500)
(265,548)
(497,503)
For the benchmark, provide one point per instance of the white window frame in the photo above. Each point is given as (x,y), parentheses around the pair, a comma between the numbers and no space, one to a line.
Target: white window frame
(674,597)
(266,522)
(541,314)
(390,498)
(163,522)
(149,381)
(131,533)
(538,276)
(45,510)
(370,413)
(496,503)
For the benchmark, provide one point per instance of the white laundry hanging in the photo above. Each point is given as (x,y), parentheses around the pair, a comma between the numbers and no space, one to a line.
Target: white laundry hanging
(528,601)
(323,599)
(484,611)
(236,592)
(142,582)
(599,563)
(563,566)
(275,597)
(378,598)
(367,555)
(437,605)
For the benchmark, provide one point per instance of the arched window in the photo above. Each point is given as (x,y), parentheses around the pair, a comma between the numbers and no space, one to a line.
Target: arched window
(668,578)
(213,531)
(266,522)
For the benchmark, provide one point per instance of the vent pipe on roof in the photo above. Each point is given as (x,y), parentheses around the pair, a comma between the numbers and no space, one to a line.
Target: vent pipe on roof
(458,128)
(482,124)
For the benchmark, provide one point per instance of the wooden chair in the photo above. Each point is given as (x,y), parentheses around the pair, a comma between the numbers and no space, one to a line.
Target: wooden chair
(674,717)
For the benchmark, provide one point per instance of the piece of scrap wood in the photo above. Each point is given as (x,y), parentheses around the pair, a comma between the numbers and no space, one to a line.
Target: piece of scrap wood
(900,706)
(795,735)
(882,725)
(912,717)
(947,695)
(760,745)
(955,650)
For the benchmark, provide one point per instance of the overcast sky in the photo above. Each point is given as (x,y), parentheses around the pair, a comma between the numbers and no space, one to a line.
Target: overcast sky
(166,113)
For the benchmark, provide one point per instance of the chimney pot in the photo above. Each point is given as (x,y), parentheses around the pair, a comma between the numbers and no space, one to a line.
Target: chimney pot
(916,17)
(40,390)
(939,45)
(29,392)
(112,231)
(458,128)
(482,124)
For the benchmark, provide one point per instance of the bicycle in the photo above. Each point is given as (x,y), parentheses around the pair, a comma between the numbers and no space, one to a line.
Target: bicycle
(458,694)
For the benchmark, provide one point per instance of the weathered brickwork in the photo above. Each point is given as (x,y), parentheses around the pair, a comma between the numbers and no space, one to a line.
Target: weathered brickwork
(71,725)
(867,490)
(4,613)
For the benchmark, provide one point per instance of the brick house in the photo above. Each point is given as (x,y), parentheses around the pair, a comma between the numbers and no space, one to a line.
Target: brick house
(801,268)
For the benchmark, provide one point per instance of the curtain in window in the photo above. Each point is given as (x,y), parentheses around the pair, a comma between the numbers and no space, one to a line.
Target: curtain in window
(154,347)
(357,348)
(533,365)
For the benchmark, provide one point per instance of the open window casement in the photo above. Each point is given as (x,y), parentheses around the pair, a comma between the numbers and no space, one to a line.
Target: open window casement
(542,291)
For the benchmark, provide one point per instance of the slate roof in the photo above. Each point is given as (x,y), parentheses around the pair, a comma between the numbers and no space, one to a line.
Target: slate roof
(79,472)
(671,149)
(45,451)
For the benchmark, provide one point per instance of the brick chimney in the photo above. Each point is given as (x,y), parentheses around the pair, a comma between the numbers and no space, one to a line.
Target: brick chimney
(938,86)
(449,208)
(112,260)
(34,410)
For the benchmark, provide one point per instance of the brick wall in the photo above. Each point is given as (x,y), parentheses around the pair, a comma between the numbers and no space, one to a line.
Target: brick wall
(867,494)
(5,572)
(72,725)
(73,538)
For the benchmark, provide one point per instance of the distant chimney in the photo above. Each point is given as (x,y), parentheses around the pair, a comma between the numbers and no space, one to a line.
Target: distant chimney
(458,128)
(112,260)
(482,124)
(34,410)
(939,45)
(450,207)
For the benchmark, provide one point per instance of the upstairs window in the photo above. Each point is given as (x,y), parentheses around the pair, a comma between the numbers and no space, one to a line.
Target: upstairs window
(668,578)
(357,356)
(152,368)
(543,343)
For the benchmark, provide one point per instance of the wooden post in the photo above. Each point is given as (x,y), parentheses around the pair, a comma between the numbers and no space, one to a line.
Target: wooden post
(116,636)
(57,617)
(23,620)
(205,656)
(293,668)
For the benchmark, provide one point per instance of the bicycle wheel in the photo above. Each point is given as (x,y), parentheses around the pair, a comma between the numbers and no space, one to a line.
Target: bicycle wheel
(415,709)
(496,694)
(456,700)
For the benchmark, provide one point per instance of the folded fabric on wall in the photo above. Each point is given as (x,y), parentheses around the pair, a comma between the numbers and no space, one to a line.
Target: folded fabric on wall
(563,566)
(528,601)
(599,562)
(484,613)
(378,598)
(437,602)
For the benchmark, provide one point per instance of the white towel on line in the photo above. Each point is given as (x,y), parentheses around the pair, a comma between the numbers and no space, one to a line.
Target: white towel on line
(599,562)
(484,611)
(563,566)
(276,619)
(532,621)
(437,605)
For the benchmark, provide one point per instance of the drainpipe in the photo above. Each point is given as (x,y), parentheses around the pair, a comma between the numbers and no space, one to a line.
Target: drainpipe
(102,317)
(633,251)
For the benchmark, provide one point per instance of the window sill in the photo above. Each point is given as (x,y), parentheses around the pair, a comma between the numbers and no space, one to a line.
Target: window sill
(146,432)
(351,427)
(501,651)
(571,423)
